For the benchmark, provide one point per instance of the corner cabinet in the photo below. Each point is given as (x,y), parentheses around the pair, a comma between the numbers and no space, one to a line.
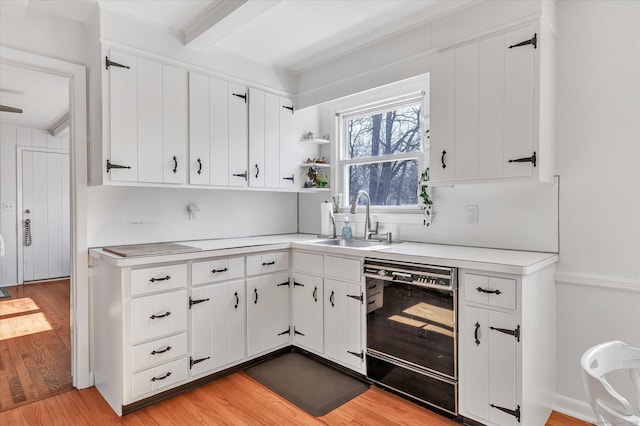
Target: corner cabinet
(492,108)
(507,347)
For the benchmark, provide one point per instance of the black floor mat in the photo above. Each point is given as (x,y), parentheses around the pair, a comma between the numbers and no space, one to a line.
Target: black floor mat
(309,384)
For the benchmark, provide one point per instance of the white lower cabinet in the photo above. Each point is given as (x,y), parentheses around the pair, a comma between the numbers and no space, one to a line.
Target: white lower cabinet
(159,378)
(343,323)
(268,308)
(217,326)
(307,301)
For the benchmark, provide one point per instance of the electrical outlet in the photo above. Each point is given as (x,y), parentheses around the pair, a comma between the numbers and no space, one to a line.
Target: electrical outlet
(472,214)
(8,206)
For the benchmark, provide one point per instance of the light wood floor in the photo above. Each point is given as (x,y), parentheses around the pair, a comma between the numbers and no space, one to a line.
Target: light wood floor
(35,343)
(39,364)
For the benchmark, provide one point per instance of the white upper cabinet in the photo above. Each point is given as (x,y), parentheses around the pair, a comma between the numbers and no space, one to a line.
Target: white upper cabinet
(492,103)
(199,166)
(289,170)
(219,131)
(238,135)
(148,121)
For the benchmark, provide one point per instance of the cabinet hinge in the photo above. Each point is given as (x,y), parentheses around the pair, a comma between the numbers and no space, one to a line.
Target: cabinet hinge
(515,413)
(515,333)
(533,160)
(355,296)
(283,284)
(109,63)
(532,41)
(358,354)
(290,108)
(241,95)
(297,332)
(296,284)
(193,362)
(110,166)
(287,331)
(196,301)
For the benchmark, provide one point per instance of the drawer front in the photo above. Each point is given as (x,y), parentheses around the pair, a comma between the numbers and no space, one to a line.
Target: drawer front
(217,270)
(158,351)
(160,278)
(374,287)
(374,302)
(158,315)
(267,262)
(160,377)
(343,269)
(308,262)
(492,291)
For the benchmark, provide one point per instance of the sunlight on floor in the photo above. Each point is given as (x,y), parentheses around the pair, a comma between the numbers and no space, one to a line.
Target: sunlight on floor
(23,325)
(17,306)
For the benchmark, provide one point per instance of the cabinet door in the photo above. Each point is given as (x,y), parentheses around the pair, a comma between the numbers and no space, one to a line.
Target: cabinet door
(466,118)
(443,110)
(342,323)
(268,310)
(123,117)
(308,312)
(174,124)
(238,135)
(217,326)
(271,140)
(475,356)
(149,121)
(198,129)
(256,138)
(219,131)
(288,162)
(518,95)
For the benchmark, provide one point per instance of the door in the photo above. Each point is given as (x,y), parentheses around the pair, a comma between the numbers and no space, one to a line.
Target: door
(256,138)
(199,167)
(238,135)
(45,224)
(174,124)
(342,322)
(443,109)
(288,163)
(267,312)
(219,131)
(308,312)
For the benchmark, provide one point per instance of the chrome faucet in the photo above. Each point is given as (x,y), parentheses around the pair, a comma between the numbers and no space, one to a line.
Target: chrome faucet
(368,230)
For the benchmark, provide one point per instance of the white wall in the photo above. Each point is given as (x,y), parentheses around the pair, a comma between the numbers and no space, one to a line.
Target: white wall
(598,158)
(10,138)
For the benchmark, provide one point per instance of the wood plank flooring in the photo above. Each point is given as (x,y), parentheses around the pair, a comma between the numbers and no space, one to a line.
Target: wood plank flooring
(35,343)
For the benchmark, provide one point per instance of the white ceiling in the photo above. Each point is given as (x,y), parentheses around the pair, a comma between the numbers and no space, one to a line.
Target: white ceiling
(293,35)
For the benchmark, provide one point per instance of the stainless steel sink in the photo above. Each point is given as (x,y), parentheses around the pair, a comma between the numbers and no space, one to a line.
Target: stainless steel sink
(353,243)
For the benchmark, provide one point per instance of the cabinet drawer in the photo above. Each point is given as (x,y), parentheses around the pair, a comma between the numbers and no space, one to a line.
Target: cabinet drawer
(343,269)
(374,302)
(308,262)
(158,315)
(158,351)
(217,270)
(159,377)
(492,291)
(160,278)
(267,262)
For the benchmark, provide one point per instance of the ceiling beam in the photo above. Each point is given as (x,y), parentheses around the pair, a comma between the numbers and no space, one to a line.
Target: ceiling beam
(222,19)
(60,125)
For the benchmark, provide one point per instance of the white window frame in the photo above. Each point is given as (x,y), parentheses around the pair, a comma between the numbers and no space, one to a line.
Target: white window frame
(343,150)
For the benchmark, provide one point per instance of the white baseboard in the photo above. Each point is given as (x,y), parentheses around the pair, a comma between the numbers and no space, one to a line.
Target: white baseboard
(574,408)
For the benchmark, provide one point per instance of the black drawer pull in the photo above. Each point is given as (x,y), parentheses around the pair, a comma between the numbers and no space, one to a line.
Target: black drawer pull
(167,349)
(199,166)
(255,290)
(444,165)
(371,287)
(268,263)
(371,303)
(475,333)
(215,271)
(482,290)
(315,294)
(237,300)
(161,378)
(257,171)
(331,298)
(175,164)
(160,316)
(167,278)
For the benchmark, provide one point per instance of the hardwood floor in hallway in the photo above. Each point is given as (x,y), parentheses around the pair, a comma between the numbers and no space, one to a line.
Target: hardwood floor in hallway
(35,343)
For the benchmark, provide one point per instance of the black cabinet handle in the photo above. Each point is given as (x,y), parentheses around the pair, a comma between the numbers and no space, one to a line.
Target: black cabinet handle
(289,178)
(110,166)
(167,278)
(237,300)
(371,302)
(199,166)
(175,164)
(269,263)
(533,160)
(255,290)
(153,379)
(257,170)
(215,271)
(331,298)
(160,316)
(315,294)
(167,349)
(242,175)
(475,333)
(482,290)
(444,165)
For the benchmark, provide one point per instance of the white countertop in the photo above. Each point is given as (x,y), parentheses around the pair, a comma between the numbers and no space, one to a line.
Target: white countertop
(484,259)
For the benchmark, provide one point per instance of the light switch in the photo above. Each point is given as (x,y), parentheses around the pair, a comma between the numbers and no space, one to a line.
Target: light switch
(472,214)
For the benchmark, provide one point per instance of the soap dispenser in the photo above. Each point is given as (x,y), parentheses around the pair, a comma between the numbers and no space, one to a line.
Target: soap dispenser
(346,229)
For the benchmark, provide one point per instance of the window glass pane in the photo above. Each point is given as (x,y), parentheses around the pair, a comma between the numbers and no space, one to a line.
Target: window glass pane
(389,183)
(387,133)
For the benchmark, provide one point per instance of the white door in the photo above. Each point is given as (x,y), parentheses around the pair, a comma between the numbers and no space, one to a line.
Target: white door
(149,121)
(219,131)
(443,116)
(267,312)
(289,175)
(342,322)
(174,124)
(46,215)
(256,138)
(238,135)
(308,312)
(199,167)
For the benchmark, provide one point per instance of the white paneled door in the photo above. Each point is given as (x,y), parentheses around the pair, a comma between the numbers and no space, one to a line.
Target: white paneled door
(45,222)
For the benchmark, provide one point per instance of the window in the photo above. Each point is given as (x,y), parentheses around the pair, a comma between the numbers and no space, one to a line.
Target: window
(381,152)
